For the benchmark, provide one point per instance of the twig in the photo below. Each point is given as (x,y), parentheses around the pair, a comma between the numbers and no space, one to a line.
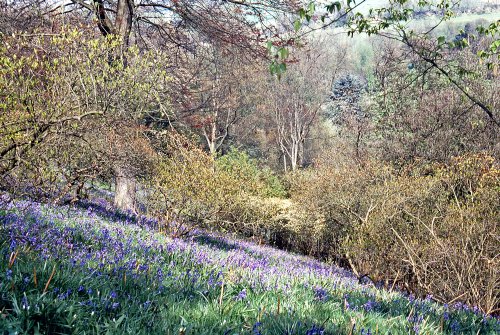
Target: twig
(50,278)
(34,277)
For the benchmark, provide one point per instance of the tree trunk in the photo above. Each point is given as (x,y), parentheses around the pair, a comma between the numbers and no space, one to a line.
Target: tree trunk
(124,21)
(125,191)
(125,181)
(212,141)
(294,157)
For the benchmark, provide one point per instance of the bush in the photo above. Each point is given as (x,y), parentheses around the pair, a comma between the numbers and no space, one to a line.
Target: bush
(192,189)
(431,229)
(263,181)
(457,256)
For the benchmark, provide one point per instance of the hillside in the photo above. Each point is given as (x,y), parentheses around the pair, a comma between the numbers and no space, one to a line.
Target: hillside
(90,270)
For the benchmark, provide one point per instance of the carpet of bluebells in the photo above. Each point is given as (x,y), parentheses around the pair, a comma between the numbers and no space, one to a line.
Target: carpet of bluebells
(86,269)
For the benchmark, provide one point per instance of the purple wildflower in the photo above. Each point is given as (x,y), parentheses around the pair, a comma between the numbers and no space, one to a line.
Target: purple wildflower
(256,328)
(242,295)
(315,330)
(369,305)
(24,302)
(455,327)
(320,293)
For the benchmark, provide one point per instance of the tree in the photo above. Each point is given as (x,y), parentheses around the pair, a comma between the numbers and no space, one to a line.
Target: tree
(391,22)
(220,94)
(173,24)
(296,100)
(417,114)
(70,114)
(345,109)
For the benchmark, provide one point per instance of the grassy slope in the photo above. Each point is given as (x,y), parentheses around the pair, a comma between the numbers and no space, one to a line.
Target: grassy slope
(114,274)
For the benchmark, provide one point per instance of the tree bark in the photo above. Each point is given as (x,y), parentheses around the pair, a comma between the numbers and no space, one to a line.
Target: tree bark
(125,181)
(125,192)
(124,21)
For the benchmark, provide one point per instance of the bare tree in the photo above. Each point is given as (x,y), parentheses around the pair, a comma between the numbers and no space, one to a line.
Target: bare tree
(418,115)
(221,95)
(177,25)
(296,101)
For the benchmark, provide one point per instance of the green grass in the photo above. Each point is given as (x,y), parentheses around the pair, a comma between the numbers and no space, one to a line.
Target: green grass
(114,274)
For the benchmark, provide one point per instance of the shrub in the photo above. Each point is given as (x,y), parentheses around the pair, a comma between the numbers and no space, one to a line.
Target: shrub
(432,229)
(263,181)
(192,189)
(457,258)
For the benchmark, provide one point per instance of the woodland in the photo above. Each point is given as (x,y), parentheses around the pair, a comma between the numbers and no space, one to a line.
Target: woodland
(249,167)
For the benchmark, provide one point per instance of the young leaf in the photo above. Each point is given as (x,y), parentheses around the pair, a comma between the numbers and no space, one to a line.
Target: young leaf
(337,5)
(283,53)
(272,68)
(296,25)
(269,45)
(302,13)
(311,8)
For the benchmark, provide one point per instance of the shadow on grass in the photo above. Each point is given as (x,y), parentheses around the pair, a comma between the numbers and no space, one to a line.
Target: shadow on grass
(109,213)
(216,242)
(187,299)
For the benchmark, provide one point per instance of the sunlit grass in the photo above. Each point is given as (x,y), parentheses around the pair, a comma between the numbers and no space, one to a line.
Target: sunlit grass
(89,271)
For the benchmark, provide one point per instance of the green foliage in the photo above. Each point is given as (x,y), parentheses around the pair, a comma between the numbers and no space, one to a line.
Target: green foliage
(278,65)
(265,182)
(120,278)
(69,108)
(492,53)
(190,185)
(279,52)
